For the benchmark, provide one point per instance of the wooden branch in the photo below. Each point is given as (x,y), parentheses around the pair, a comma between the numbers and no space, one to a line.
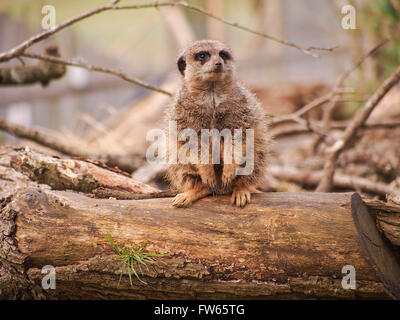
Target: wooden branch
(333,97)
(21,48)
(83,65)
(127,162)
(306,124)
(296,128)
(296,116)
(42,72)
(327,115)
(387,218)
(72,174)
(307,50)
(313,178)
(282,245)
(350,132)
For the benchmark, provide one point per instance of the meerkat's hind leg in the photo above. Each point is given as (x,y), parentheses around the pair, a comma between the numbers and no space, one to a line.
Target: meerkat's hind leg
(185,199)
(241,196)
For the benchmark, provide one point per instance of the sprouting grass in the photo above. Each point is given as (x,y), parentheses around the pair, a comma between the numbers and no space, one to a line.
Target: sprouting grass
(132,255)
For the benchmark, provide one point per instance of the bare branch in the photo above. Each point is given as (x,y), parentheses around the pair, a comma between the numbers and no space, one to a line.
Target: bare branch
(312,178)
(42,72)
(19,49)
(327,115)
(296,128)
(307,124)
(128,163)
(350,132)
(333,97)
(115,72)
(295,116)
(306,50)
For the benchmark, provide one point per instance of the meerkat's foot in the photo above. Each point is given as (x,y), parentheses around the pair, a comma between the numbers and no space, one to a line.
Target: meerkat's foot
(228,174)
(240,197)
(185,199)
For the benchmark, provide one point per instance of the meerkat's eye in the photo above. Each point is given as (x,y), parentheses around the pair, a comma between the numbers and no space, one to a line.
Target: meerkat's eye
(224,55)
(202,56)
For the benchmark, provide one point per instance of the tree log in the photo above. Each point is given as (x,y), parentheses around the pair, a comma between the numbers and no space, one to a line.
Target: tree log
(43,72)
(281,246)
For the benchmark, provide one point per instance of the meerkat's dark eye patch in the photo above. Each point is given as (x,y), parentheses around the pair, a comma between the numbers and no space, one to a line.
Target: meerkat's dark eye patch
(181,65)
(224,55)
(202,56)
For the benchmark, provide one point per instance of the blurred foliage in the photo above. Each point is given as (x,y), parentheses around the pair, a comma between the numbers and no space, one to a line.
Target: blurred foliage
(382,20)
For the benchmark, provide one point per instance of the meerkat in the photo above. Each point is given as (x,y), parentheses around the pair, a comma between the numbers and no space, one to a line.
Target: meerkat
(211,97)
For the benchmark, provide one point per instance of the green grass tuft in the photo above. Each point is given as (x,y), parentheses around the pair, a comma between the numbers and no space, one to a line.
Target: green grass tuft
(132,255)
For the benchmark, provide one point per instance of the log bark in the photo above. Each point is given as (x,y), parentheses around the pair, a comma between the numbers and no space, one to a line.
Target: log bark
(43,72)
(281,246)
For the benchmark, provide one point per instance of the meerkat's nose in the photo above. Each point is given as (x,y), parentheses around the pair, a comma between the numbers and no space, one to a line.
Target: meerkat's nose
(218,64)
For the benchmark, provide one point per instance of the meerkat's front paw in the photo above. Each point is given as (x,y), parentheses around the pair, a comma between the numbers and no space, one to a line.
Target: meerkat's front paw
(228,174)
(182,200)
(240,197)
(185,199)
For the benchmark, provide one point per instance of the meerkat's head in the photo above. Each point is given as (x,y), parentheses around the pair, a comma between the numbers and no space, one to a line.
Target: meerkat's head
(206,61)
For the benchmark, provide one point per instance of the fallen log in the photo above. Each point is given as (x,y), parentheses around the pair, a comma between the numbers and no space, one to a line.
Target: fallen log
(73,174)
(281,246)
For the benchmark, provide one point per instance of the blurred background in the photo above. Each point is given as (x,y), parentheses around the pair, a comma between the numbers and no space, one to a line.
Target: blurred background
(102,113)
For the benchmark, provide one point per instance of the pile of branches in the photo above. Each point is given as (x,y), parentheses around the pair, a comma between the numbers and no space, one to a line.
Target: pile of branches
(332,143)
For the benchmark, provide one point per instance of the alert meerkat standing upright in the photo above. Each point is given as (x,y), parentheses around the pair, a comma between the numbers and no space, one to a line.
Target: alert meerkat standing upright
(211,97)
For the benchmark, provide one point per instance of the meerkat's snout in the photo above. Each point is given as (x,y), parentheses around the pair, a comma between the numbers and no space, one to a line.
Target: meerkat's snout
(218,67)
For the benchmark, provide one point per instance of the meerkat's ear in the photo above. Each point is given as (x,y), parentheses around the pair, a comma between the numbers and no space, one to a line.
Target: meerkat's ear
(181,65)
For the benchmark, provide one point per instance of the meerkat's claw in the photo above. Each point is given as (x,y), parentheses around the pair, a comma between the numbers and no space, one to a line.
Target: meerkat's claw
(212,189)
(240,197)
(182,200)
(226,183)
(211,185)
(228,174)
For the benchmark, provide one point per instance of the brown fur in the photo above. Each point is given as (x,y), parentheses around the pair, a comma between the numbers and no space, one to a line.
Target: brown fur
(210,98)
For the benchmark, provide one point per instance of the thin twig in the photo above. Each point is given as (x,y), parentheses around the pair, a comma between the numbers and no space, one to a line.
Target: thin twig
(306,50)
(295,116)
(291,129)
(19,49)
(333,96)
(359,120)
(312,178)
(308,124)
(328,111)
(128,163)
(115,72)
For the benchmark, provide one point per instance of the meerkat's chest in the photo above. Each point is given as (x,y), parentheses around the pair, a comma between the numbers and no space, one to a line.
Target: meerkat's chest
(213,111)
